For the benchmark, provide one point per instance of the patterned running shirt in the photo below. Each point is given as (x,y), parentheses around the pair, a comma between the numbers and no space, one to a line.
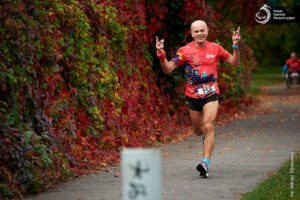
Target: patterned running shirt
(201,68)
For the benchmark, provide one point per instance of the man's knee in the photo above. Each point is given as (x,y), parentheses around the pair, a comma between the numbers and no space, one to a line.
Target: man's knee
(199,130)
(208,127)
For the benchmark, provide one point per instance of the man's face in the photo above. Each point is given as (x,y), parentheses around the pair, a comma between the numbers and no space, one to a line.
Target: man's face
(199,32)
(293,56)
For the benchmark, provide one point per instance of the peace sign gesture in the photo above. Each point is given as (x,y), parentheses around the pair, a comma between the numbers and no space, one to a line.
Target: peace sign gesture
(236,37)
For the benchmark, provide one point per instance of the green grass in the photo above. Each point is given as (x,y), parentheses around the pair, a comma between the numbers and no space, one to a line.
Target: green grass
(265,76)
(277,186)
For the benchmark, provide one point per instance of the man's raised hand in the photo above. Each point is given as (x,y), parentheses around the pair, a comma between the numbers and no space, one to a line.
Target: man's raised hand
(236,37)
(159,45)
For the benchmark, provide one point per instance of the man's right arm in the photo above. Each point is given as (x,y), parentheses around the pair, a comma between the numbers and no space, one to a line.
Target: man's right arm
(167,66)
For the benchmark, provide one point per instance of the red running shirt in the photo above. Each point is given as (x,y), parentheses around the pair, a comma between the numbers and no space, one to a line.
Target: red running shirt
(293,64)
(201,68)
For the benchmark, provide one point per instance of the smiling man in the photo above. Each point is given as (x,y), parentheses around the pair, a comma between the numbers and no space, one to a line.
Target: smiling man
(200,58)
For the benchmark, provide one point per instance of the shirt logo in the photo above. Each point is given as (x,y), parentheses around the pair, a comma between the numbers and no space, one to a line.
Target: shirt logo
(210,56)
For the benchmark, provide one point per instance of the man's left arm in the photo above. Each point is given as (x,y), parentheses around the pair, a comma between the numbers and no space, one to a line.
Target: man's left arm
(234,59)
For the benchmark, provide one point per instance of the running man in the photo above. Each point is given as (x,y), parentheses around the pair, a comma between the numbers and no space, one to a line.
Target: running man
(200,58)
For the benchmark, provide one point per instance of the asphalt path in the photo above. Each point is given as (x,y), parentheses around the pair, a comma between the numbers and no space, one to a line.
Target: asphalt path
(246,152)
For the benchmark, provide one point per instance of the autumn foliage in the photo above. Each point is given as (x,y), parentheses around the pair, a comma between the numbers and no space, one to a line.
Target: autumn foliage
(77,85)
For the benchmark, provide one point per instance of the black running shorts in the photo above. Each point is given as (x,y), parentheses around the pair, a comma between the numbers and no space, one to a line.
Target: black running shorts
(197,104)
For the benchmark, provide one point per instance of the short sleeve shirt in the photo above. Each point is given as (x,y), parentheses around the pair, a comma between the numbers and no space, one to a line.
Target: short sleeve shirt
(295,64)
(201,68)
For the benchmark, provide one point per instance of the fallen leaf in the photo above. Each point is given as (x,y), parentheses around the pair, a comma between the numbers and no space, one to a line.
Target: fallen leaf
(116,174)
(227,148)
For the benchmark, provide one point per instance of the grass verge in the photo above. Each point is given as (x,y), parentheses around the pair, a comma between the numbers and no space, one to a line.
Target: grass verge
(265,76)
(282,184)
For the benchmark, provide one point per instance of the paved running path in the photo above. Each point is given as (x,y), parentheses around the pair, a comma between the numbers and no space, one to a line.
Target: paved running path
(245,152)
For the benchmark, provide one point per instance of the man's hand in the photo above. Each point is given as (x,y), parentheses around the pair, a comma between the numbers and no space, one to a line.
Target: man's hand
(159,45)
(236,37)
(234,59)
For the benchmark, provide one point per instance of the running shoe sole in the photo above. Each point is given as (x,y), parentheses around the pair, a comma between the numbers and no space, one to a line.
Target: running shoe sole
(202,171)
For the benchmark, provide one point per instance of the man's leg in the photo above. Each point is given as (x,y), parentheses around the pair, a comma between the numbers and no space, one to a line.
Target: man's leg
(197,121)
(202,123)
(209,115)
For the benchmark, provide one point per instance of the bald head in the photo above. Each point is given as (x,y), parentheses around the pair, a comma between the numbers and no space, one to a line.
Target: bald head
(199,32)
(293,55)
(198,23)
